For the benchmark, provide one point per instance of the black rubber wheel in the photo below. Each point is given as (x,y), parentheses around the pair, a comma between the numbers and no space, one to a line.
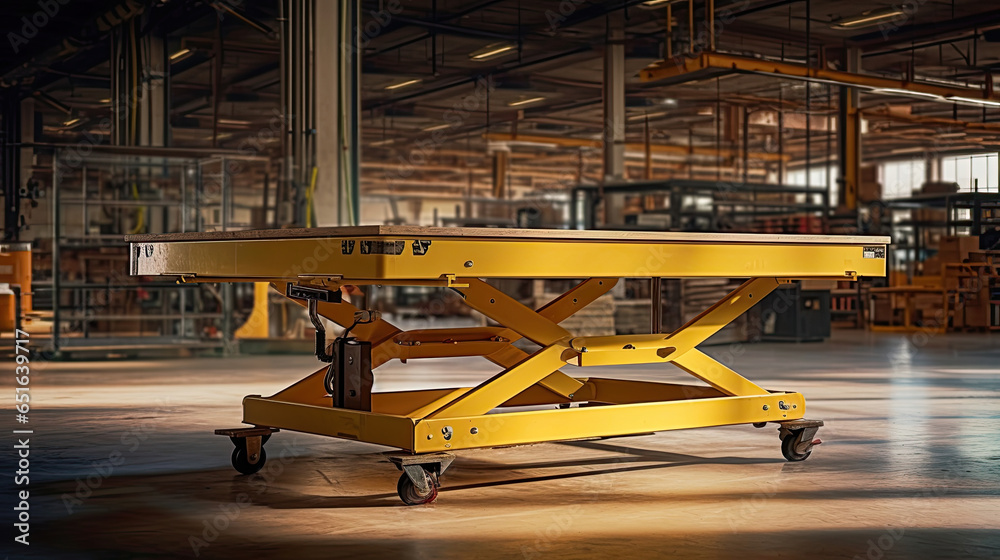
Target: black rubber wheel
(759,424)
(243,465)
(788,444)
(411,496)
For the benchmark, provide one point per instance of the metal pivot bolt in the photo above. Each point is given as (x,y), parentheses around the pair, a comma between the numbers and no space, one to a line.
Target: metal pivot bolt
(474,430)
(446,431)
(468,264)
(783,406)
(766,407)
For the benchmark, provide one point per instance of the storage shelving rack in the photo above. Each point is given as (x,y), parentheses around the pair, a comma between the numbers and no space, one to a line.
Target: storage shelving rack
(691,205)
(968,213)
(83,275)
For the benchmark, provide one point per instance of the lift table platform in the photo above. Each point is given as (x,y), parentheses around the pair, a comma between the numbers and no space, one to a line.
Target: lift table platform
(433,423)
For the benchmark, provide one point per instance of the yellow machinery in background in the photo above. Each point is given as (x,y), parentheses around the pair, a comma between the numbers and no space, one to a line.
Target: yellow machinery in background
(311,265)
(15,270)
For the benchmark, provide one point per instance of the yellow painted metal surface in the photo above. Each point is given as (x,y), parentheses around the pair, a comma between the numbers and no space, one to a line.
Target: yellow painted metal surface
(383,429)
(600,421)
(314,259)
(504,385)
(256,325)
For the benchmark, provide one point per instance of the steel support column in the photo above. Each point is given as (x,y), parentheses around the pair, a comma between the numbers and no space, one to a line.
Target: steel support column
(501,164)
(849,137)
(614,112)
(11,166)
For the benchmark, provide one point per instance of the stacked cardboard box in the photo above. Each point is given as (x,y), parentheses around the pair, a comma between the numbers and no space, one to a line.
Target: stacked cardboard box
(956,248)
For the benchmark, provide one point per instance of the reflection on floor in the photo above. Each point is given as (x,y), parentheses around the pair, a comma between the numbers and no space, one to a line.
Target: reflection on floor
(124,465)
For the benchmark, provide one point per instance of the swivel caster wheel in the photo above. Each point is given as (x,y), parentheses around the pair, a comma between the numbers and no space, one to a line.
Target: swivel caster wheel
(249,455)
(246,463)
(797,438)
(411,495)
(421,478)
(792,446)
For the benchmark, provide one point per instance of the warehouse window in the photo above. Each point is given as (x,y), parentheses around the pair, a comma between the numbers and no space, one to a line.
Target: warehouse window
(971,172)
(901,179)
(817,180)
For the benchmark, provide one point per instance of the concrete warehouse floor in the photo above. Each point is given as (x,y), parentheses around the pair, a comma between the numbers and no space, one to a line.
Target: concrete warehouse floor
(909,467)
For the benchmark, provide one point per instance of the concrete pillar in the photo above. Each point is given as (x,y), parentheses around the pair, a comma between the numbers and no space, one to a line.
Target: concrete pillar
(336,98)
(614,113)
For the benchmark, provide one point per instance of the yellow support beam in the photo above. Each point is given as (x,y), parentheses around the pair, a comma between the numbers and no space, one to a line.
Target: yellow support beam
(715,374)
(256,325)
(508,383)
(507,311)
(711,64)
(513,428)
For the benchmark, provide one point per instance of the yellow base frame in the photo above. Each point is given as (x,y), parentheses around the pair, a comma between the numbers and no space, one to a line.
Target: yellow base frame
(440,420)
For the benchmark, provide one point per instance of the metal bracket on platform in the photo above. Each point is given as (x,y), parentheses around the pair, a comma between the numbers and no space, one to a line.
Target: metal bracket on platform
(311,293)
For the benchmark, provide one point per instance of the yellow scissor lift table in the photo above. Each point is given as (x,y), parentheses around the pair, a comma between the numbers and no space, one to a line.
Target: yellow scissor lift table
(310,266)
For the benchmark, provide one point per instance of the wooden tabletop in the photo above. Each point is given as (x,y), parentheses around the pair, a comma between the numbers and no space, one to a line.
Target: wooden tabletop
(509,233)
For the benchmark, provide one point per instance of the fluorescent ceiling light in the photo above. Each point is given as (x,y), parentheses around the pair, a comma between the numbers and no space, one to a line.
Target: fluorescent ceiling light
(906,93)
(108,100)
(866,19)
(506,145)
(436,127)
(183,53)
(491,51)
(647,115)
(973,101)
(404,84)
(657,3)
(71,122)
(385,142)
(233,122)
(524,101)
